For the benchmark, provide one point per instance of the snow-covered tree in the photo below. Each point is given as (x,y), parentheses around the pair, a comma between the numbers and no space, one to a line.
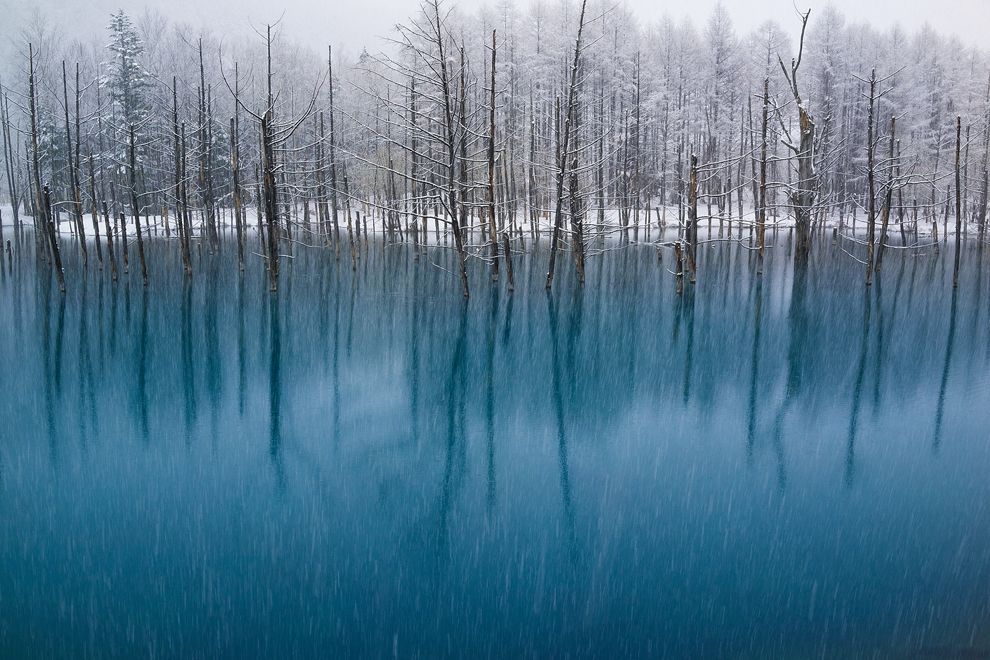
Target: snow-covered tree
(125,78)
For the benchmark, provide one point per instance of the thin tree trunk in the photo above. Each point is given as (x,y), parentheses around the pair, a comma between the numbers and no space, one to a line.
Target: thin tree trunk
(871,211)
(135,209)
(10,154)
(271,199)
(492,230)
(236,192)
(888,201)
(96,218)
(77,208)
(761,220)
(334,208)
(43,197)
(182,204)
(562,156)
(955,265)
(692,248)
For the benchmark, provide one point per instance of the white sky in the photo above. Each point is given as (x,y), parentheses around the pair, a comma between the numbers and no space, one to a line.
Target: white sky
(355,23)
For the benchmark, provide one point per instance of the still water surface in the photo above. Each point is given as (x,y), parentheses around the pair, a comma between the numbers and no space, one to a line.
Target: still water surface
(366,465)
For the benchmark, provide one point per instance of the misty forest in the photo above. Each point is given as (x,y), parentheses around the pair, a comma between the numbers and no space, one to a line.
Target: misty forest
(523,330)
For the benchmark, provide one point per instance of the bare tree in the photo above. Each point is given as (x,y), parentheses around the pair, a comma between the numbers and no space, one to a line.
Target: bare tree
(803,198)
(563,139)
(43,204)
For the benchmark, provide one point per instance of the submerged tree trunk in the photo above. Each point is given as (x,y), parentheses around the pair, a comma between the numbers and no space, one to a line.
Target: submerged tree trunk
(96,218)
(184,199)
(761,222)
(10,158)
(888,200)
(492,229)
(803,198)
(77,207)
(871,209)
(236,192)
(43,204)
(563,136)
(271,200)
(334,208)
(692,228)
(135,209)
(955,264)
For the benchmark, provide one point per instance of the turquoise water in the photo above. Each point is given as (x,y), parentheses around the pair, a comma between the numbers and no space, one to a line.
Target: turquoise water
(366,465)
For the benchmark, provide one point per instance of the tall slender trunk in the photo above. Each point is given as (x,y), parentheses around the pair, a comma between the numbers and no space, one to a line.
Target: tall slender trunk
(451,153)
(414,187)
(205,155)
(888,200)
(184,199)
(692,247)
(77,208)
(563,137)
(462,145)
(96,214)
(271,199)
(955,265)
(871,199)
(236,192)
(43,197)
(492,230)
(323,209)
(334,208)
(600,168)
(982,217)
(53,241)
(761,218)
(10,158)
(135,208)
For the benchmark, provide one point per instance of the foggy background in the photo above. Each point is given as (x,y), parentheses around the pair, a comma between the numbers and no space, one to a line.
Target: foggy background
(354,24)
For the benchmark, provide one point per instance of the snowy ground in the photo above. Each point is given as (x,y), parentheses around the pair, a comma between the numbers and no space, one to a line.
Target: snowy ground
(647,227)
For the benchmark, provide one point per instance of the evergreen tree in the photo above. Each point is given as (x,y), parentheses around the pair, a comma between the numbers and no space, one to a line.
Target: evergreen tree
(126,79)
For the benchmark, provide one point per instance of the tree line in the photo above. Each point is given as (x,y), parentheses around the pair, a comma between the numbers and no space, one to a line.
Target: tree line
(478,132)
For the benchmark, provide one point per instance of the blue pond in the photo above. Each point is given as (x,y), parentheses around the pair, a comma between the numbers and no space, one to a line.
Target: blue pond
(364,464)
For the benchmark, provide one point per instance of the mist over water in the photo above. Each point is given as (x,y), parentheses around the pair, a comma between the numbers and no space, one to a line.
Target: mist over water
(365,464)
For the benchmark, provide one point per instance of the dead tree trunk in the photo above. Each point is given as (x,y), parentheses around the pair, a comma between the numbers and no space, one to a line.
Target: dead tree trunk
(182,205)
(236,192)
(692,229)
(235,170)
(77,207)
(508,261)
(889,198)
(205,157)
(414,187)
(462,145)
(955,265)
(334,208)
(135,209)
(42,196)
(323,209)
(803,198)
(450,143)
(96,226)
(57,256)
(271,201)
(576,211)
(600,168)
(492,230)
(534,212)
(562,156)
(10,159)
(871,200)
(986,166)
(761,218)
